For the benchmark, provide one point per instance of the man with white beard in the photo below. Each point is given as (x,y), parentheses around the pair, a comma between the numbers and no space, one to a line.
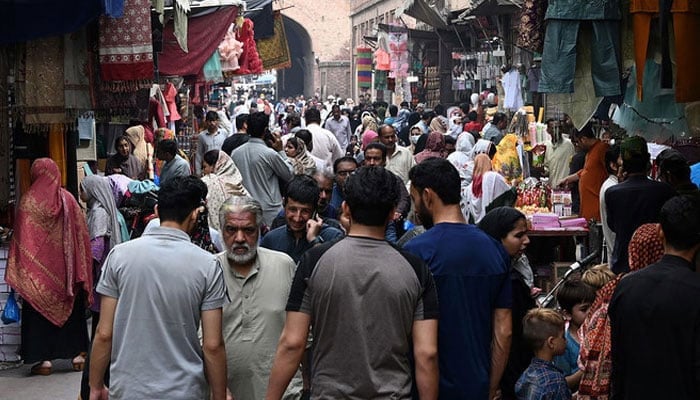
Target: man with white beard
(258,282)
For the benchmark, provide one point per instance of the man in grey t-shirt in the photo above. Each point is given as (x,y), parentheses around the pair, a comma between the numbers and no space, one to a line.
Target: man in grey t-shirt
(155,292)
(368,312)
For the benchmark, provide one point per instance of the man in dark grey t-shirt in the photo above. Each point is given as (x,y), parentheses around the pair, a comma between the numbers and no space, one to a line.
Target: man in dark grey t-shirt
(368,311)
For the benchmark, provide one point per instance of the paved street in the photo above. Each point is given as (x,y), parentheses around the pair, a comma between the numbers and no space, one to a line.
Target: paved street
(17,384)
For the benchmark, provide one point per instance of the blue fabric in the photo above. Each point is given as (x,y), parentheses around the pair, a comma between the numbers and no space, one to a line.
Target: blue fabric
(33,19)
(141,186)
(471,272)
(114,8)
(567,363)
(336,198)
(591,10)
(212,71)
(542,381)
(695,174)
(282,239)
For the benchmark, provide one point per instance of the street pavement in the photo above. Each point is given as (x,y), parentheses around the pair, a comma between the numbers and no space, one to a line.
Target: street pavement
(18,384)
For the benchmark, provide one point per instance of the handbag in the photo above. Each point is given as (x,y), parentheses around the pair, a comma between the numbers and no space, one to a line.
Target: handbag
(11,312)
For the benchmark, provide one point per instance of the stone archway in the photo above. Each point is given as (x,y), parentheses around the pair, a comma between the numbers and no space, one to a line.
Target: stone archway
(299,78)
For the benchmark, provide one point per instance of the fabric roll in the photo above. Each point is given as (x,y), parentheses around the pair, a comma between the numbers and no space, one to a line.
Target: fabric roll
(364,67)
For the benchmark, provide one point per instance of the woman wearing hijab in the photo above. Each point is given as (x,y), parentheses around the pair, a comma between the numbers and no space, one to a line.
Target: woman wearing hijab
(105,233)
(645,248)
(50,267)
(434,147)
(142,150)
(223,179)
(405,132)
(124,162)
(367,138)
(438,125)
(463,160)
(509,226)
(486,186)
(302,163)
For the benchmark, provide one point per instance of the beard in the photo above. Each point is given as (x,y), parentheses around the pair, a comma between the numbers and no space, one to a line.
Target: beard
(425,217)
(244,258)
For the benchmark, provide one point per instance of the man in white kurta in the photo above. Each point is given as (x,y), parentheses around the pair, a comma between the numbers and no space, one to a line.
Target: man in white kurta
(258,282)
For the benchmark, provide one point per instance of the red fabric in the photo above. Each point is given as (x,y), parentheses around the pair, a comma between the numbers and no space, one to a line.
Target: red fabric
(482,164)
(249,61)
(170,93)
(204,34)
(473,126)
(50,258)
(155,111)
(126,49)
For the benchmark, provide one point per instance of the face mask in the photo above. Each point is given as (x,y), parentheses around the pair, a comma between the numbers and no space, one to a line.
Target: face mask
(414,139)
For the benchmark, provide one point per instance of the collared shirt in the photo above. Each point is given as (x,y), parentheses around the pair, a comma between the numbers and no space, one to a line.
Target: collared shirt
(493,134)
(282,239)
(175,167)
(400,162)
(162,283)
(542,381)
(253,321)
(326,146)
(557,158)
(341,130)
(262,169)
(206,142)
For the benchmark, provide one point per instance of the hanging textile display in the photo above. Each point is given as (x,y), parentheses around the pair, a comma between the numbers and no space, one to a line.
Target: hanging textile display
(364,67)
(532,27)
(212,68)
(398,50)
(274,51)
(126,49)
(249,61)
(76,82)
(229,50)
(207,31)
(43,96)
(380,80)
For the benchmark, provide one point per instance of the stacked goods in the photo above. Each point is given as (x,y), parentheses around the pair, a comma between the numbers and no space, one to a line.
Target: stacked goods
(533,196)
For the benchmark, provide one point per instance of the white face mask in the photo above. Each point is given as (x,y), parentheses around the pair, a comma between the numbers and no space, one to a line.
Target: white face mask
(414,139)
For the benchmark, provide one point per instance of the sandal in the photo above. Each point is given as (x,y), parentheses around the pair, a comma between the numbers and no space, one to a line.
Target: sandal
(80,364)
(41,369)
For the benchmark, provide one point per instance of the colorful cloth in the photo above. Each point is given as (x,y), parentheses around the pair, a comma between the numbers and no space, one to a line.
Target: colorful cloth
(532,25)
(212,68)
(434,147)
(507,159)
(225,181)
(486,187)
(274,51)
(249,60)
(364,67)
(49,260)
(302,163)
(206,31)
(646,247)
(229,50)
(44,99)
(126,49)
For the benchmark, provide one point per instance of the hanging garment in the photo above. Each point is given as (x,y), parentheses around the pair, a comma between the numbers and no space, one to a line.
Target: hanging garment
(44,97)
(398,50)
(382,60)
(229,50)
(126,48)
(169,94)
(686,28)
(560,45)
(512,88)
(532,26)
(212,68)
(249,61)
(274,50)
(364,67)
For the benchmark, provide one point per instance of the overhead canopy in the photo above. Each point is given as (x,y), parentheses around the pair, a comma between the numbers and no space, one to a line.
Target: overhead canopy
(424,12)
(490,7)
(33,19)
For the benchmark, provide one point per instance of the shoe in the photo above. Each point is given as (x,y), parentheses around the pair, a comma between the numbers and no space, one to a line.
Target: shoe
(79,365)
(41,369)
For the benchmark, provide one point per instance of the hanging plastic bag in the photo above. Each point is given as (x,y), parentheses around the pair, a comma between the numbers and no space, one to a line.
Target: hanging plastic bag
(11,312)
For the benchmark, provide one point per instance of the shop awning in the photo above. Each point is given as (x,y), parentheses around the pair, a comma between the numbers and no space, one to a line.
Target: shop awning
(488,8)
(33,19)
(424,12)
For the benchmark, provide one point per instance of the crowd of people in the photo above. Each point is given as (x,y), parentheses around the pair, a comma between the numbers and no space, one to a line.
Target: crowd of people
(367,252)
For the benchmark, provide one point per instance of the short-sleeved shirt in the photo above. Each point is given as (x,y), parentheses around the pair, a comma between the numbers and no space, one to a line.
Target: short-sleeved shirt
(471,271)
(363,296)
(162,283)
(542,381)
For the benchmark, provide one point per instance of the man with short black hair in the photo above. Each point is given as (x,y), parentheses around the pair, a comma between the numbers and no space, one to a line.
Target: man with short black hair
(472,274)
(675,170)
(399,159)
(396,308)
(210,139)
(325,145)
(239,138)
(174,164)
(263,168)
(655,315)
(497,129)
(304,228)
(635,201)
(339,125)
(156,291)
(342,168)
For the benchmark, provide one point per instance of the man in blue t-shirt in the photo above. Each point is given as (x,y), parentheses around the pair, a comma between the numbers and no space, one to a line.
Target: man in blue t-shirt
(471,272)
